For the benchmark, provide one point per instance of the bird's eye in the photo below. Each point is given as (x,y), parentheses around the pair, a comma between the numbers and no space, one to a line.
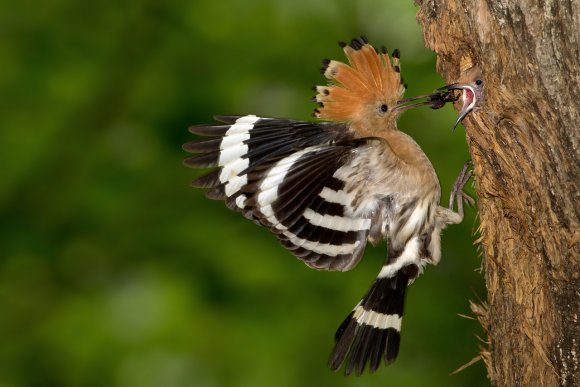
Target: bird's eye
(478,82)
(384,108)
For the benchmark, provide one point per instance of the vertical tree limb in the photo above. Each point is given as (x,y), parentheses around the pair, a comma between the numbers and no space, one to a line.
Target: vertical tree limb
(524,144)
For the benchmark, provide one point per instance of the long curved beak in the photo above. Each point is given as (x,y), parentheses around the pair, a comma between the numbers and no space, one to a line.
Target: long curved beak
(404,104)
(469,100)
(434,100)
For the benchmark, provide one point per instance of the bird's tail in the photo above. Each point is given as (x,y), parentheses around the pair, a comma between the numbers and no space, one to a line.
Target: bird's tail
(371,332)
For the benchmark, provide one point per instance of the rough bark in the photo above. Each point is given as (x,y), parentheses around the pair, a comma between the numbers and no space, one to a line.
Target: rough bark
(524,145)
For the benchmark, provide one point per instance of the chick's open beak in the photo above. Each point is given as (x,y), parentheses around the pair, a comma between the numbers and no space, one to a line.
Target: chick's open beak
(468,98)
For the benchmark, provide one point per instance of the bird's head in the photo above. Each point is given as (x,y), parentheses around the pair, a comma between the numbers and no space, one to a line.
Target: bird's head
(367,92)
(472,86)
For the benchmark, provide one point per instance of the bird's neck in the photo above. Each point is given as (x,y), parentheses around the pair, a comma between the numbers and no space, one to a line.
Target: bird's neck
(405,147)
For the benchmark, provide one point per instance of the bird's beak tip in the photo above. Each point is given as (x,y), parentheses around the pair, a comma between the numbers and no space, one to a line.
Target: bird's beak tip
(464,112)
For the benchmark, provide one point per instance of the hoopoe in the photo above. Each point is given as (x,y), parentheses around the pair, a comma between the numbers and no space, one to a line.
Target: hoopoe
(471,84)
(325,189)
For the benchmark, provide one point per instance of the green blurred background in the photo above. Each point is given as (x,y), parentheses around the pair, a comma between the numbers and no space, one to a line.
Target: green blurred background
(114,272)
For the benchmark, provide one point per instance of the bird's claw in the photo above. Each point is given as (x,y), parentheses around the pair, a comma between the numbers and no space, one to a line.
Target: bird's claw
(457,193)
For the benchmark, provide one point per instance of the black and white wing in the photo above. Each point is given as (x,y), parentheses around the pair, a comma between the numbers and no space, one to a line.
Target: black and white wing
(287,176)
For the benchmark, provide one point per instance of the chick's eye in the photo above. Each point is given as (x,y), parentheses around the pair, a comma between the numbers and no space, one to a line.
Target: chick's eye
(479,82)
(383,108)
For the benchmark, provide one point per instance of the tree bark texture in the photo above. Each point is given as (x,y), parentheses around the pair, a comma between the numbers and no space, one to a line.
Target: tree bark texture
(524,144)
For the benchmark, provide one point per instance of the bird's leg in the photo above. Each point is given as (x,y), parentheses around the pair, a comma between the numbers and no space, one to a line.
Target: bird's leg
(457,193)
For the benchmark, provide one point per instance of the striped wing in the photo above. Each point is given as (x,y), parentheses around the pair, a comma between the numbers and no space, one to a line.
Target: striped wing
(285,175)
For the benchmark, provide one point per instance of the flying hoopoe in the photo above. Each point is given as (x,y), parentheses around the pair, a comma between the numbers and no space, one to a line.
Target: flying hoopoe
(325,189)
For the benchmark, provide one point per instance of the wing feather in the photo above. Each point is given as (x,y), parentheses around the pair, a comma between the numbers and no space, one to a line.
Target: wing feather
(273,171)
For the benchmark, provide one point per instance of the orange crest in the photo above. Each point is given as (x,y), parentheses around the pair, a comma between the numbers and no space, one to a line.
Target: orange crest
(371,81)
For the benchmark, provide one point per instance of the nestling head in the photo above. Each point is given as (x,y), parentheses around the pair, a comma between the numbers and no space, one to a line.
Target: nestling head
(472,85)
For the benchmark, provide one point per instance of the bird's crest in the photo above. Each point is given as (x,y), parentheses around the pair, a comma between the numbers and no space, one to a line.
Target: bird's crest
(370,80)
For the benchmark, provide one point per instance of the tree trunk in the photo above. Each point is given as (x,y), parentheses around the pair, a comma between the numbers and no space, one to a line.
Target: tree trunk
(524,144)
